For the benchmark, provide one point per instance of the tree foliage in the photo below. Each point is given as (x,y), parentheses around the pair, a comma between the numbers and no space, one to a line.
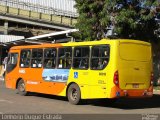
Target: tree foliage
(134,19)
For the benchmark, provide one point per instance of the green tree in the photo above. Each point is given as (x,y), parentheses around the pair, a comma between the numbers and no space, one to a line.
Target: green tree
(91,21)
(134,19)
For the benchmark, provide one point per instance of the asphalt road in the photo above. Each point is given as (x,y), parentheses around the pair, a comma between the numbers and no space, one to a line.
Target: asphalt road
(10,102)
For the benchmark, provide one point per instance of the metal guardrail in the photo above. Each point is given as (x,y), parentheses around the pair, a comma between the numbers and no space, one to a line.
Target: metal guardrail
(37,8)
(37,12)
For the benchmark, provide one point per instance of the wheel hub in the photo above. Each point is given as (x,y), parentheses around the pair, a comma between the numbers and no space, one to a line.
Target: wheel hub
(74,94)
(21,87)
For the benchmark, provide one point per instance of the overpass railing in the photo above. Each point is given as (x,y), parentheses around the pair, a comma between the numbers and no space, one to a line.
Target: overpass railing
(37,12)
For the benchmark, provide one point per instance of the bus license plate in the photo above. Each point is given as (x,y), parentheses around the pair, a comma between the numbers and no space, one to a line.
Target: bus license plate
(135,85)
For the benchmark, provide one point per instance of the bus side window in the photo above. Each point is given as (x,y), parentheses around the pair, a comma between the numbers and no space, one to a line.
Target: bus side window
(81,58)
(102,63)
(100,57)
(65,58)
(50,58)
(25,58)
(83,63)
(37,55)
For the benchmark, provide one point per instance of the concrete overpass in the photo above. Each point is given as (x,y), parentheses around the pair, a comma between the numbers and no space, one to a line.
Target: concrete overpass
(29,20)
(32,19)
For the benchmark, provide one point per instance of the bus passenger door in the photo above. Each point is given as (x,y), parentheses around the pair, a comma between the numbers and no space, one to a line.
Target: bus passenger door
(12,69)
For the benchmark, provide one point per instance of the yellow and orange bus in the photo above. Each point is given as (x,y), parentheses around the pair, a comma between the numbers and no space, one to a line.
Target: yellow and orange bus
(82,70)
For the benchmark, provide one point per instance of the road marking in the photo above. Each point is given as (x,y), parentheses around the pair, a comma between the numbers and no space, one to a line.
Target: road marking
(2,100)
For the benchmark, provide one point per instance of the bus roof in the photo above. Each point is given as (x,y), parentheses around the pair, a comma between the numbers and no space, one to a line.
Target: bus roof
(103,41)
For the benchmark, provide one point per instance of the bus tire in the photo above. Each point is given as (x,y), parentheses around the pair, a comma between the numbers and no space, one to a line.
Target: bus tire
(74,94)
(21,89)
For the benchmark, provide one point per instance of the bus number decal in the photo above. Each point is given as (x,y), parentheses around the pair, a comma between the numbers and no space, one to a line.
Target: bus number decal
(33,83)
(102,74)
(22,71)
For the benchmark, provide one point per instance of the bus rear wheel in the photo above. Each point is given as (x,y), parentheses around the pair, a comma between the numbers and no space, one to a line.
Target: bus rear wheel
(21,88)
(73,94)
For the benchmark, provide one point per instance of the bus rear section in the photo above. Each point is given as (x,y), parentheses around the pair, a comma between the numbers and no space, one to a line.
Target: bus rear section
(134,77)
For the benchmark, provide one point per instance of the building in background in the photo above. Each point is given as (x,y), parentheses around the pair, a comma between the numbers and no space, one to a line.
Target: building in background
(4,48)
(61,5)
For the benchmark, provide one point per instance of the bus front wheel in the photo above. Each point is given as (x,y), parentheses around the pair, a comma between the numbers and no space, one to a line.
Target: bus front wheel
(73,94)
(21,88)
